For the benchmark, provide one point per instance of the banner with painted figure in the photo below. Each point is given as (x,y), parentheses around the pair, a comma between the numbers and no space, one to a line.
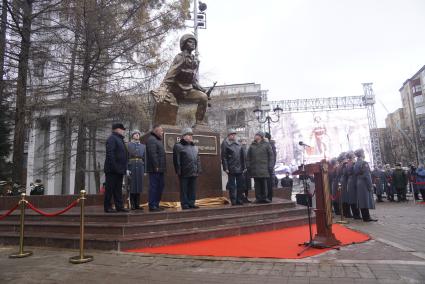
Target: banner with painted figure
(327,134)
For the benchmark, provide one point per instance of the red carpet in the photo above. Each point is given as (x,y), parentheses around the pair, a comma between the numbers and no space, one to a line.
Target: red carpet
(274,244)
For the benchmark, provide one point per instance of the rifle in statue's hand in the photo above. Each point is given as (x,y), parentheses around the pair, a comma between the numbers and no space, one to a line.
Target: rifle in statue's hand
(210,91)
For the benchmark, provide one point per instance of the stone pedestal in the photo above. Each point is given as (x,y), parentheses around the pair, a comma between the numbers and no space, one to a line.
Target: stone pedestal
(209,182)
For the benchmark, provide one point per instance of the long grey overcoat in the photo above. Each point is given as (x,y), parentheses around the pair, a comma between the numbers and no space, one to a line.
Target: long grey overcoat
(364,185)
(136,165)
(351,184)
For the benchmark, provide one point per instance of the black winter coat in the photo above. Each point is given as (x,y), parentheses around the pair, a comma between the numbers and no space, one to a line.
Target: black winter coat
(260,160)
(186,159)
(116,155)
(232,157)
(155,155)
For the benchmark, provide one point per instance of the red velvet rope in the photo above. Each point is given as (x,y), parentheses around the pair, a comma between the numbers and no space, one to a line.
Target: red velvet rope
(73,204)
(9,212)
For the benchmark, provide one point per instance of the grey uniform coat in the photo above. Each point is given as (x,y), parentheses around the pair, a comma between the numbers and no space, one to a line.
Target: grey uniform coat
(136,165)
(364,185)
(351,184)
(342,174)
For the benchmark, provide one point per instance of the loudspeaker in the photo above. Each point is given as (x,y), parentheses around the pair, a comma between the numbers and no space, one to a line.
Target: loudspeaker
(303,198)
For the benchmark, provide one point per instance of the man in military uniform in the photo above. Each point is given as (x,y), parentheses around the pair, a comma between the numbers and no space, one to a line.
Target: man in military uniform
(364,186)
(351,184)
(342,179)
(181,83)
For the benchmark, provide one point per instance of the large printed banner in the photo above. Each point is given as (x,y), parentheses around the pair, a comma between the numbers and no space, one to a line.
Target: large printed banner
(328,133)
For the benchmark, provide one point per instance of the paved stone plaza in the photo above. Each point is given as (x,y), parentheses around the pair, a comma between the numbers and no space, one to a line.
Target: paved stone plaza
(395,255)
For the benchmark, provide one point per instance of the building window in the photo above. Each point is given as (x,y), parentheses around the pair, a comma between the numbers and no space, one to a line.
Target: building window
(235,119)
(418,99)
(416,89)
(420,110)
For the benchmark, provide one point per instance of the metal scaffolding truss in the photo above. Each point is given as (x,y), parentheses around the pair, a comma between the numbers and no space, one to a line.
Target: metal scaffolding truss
(367,101)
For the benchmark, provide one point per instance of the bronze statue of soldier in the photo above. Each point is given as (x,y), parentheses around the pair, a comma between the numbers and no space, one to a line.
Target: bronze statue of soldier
(181,85)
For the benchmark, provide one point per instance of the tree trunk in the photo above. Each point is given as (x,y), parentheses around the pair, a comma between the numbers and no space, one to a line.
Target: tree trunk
(2,46)
(67,137)
(93,151)
(81,162)
(21,93)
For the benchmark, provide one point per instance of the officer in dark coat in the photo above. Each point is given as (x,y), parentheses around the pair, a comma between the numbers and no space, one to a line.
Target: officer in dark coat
(187,165)
(115,168)
(233,161)
(351,185)
(155,166)
(246,177)
(259,163)
(136,168)
(364,186)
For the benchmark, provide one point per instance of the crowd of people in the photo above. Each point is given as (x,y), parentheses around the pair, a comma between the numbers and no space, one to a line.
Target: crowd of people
(394,183)
(132,160)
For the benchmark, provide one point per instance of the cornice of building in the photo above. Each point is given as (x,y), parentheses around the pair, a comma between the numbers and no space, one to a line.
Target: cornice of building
(412,78)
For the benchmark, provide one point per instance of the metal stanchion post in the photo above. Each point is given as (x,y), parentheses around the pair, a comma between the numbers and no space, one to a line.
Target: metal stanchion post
(81,258)
(21,252)
(342,221)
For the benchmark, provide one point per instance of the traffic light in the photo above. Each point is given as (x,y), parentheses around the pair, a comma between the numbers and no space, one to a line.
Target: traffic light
(202,20)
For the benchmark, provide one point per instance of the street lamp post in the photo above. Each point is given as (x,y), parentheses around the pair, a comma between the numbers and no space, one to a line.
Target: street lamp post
(259,114)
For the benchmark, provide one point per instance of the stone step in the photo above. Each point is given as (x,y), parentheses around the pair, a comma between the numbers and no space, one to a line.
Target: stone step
(96,214)
(152,226)
(111,242)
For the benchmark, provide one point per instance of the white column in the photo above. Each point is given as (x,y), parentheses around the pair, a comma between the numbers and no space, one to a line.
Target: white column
(30,159)
(73,161)
(52,156)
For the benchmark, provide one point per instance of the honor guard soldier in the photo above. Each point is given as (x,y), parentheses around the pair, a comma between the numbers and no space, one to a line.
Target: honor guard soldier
(136,169)
(364,186)
(351,185)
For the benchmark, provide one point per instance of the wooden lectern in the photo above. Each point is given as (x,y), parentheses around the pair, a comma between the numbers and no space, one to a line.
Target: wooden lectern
(324,237)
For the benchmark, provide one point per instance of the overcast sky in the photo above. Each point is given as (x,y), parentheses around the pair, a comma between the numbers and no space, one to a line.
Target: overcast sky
(315,48)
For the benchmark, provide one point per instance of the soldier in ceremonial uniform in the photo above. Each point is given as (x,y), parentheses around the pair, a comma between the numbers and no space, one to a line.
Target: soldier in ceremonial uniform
(342,179)
(364,186)
(136,169)
(181,82)
(351,185)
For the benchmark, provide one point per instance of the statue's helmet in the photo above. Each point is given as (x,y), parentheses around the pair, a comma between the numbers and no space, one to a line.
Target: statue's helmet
(185,38)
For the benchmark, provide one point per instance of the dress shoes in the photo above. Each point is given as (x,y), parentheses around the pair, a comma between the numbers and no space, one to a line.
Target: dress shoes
(370,220)
(155,209)
(123,210)
(185,207)
(194,207)
(110,210)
